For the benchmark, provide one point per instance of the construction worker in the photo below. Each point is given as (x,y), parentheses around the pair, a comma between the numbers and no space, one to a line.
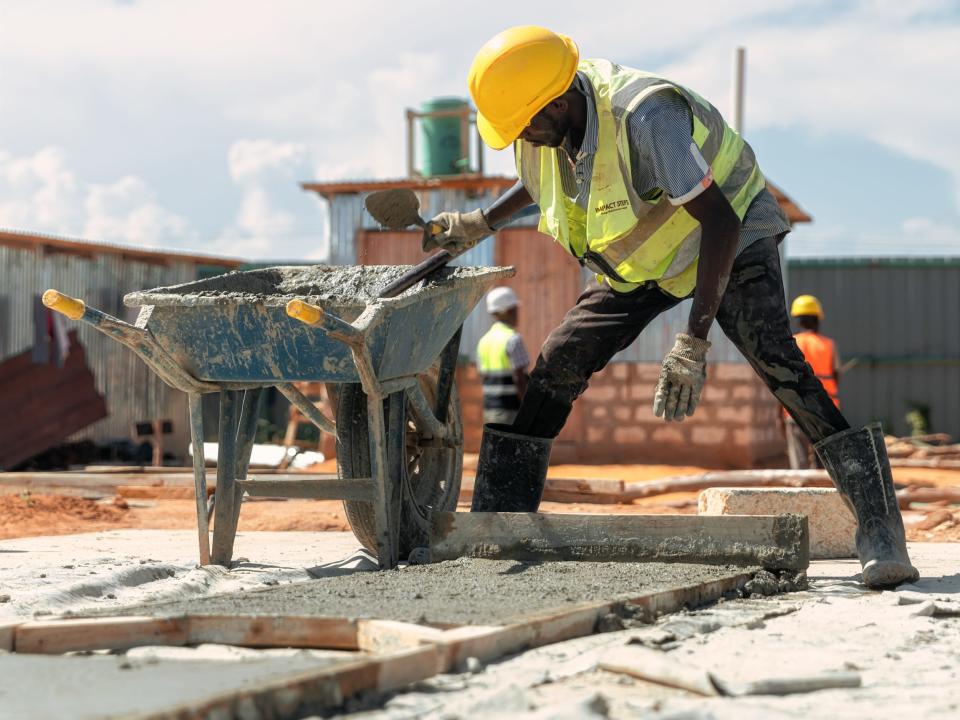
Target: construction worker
(502,359)
(642,181)
(821,354)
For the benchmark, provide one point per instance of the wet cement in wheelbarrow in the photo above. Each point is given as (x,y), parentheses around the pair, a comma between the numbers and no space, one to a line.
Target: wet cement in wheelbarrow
(338,283)
(458,592)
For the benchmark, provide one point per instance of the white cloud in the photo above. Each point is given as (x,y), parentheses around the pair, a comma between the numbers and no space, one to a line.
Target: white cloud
(267,222)
(127,211)
(322,88)
(41,192)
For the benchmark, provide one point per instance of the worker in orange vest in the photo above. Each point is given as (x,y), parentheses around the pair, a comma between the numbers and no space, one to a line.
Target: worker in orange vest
(821,354)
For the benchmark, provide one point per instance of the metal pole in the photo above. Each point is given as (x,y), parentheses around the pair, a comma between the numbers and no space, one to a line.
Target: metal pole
(199,474)
(464,141)
(410,159)
(739,79)
(479,148)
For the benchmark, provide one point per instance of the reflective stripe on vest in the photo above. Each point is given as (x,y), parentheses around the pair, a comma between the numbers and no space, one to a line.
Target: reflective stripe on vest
(499,389)
(633,239)
(820,353)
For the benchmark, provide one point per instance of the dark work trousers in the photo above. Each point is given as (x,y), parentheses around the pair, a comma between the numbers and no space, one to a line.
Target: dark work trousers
(753,314)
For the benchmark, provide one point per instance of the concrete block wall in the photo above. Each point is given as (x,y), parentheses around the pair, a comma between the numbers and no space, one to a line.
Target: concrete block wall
(735,425)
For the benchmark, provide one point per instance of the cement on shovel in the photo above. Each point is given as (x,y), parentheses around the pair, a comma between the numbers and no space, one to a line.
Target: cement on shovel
(394,209)
(459,592)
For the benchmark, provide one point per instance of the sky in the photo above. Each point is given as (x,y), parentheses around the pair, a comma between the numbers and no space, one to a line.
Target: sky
(188,125)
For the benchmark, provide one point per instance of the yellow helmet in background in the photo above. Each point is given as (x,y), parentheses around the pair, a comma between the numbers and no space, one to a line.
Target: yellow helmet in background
(806,305)
(515,75)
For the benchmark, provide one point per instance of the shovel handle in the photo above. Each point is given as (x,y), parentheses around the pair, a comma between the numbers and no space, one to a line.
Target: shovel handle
(416,274)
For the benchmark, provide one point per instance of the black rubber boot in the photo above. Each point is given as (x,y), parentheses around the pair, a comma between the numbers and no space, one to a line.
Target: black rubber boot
(511,471)
(857,462)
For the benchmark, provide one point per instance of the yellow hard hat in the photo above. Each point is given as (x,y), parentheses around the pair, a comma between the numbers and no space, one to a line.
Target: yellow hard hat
(806,305)
(515,75)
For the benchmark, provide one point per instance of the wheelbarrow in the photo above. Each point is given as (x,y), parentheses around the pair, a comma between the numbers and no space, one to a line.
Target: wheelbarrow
(390,364)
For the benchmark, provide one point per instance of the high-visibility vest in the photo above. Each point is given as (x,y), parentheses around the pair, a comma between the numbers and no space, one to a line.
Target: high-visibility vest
(628,239)
(499,388)
(821,354)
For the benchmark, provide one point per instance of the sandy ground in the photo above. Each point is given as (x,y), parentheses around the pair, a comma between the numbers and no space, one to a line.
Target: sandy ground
(30,515)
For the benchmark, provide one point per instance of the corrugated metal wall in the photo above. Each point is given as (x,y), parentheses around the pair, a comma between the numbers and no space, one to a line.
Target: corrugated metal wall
(133,392)
(347,216)
(901,320)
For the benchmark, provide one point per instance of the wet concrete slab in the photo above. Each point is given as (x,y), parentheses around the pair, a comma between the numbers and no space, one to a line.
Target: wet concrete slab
(458,592)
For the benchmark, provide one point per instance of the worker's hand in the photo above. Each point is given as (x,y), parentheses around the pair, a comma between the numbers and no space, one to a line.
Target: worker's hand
(461,231)
(681,380)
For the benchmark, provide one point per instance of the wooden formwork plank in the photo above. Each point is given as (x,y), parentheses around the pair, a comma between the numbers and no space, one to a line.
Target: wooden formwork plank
(380,636)
(651,606)
(313,691)
(273,631)
(117,633)
(592,490)
(492,642)
(8,635)
(772,541)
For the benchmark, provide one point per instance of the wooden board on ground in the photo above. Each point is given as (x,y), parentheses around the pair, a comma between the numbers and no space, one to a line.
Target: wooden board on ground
(771,541)
(593,490)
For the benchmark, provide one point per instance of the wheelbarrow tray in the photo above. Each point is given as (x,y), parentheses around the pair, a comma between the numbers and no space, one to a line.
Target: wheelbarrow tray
(234,328)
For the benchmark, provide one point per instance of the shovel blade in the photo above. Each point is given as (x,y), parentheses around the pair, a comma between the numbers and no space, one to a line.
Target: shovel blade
(394,209)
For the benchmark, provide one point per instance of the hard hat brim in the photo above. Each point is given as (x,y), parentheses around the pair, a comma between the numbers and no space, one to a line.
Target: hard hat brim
(497,138)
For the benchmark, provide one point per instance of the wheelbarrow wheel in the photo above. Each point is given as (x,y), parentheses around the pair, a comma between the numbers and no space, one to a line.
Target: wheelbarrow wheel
(433,473)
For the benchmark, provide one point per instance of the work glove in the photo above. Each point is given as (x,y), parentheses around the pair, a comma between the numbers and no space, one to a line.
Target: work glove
(682,375)
(461,231)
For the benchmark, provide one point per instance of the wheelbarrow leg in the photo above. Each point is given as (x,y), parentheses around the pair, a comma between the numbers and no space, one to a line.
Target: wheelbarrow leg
(199,474)
(386,456)
(224,528)
(447,374)
(245,437)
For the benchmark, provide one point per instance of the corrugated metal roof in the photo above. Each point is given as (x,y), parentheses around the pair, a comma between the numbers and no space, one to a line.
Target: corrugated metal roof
(333,188)
(447,182)
(53,243)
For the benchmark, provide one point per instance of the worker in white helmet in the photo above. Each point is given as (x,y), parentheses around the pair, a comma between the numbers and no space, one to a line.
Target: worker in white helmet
(502,359)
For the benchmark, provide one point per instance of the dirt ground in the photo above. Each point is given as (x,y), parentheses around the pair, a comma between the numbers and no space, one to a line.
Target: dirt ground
(29,515)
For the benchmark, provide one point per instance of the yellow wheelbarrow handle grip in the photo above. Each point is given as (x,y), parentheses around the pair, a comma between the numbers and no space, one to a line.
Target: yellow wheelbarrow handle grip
(71,307)
(304,312)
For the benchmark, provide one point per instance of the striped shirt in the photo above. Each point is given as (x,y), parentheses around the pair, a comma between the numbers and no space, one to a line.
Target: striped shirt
(663,159)
(517,353)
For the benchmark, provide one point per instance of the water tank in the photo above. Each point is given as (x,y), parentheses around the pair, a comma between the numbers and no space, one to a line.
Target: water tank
(441,138)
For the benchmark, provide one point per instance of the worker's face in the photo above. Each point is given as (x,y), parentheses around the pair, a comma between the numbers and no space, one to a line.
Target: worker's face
(549,126)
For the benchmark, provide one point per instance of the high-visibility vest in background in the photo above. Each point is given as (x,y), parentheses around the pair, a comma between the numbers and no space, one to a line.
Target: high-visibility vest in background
(625,238)
(821,354)
(499,389)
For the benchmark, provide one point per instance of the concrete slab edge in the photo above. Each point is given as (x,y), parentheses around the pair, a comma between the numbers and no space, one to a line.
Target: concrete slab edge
(395,653)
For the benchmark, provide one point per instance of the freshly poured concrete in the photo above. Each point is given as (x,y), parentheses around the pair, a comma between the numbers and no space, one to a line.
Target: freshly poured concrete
(465,591)
(347,284)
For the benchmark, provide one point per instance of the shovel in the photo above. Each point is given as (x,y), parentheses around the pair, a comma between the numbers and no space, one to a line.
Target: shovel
(398,210)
